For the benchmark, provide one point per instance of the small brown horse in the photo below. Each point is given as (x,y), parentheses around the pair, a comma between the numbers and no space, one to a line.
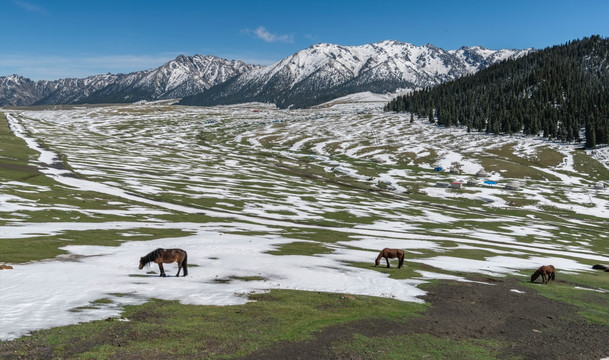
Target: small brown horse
(166,256)
(601,267)
(547,272)
(388,253)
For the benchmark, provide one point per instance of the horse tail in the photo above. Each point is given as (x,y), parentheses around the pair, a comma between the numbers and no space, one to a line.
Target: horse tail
(401,261)
(185,264)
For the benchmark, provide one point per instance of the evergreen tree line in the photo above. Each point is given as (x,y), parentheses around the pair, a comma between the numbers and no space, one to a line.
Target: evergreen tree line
(558,93)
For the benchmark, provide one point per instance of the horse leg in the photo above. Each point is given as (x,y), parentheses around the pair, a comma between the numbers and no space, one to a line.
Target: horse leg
(179,268)
(162,270)
(387,258)
(544,279)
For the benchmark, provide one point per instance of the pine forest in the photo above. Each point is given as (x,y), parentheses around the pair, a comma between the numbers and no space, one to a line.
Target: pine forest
(559,93)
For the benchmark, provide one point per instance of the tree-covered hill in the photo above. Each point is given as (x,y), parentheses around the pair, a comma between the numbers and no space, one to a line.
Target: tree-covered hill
(557,93)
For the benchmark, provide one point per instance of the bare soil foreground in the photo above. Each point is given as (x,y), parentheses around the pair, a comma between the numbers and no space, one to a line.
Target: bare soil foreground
(486,318)
(534,326)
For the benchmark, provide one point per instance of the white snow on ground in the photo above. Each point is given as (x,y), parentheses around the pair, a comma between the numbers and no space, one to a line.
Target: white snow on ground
(500,265)
(46,294)
(160,155)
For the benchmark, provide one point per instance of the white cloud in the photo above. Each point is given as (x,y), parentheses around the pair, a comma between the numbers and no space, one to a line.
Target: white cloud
(262,33)
(31,7)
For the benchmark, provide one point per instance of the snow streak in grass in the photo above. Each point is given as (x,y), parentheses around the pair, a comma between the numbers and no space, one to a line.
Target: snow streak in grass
(244,175)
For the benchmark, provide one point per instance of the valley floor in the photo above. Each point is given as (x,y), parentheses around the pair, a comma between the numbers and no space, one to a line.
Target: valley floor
(300,200)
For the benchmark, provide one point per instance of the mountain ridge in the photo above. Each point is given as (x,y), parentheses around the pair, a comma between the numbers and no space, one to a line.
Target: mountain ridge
(325,71)
(308,77)
(184,75)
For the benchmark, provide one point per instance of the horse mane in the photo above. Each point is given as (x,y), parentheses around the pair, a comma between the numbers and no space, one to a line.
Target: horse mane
(151,256)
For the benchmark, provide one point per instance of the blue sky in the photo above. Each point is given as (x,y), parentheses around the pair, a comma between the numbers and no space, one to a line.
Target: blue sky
(44,39)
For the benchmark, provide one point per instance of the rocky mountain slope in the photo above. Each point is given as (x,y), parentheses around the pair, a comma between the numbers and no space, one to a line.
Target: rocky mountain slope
(311,76)
(183,76)
(326,71)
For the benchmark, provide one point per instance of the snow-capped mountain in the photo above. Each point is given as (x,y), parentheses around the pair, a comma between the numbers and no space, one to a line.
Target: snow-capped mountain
(180,77)
(71,90)
(326,71)
(311,76)
(17,90)
(183,76)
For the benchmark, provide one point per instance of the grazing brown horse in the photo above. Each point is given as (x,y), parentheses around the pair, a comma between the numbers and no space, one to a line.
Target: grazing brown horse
(388,253)
(166,256)
(547,272)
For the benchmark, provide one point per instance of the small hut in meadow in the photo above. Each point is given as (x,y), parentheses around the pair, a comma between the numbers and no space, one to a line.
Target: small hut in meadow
(455,170)
(473,182)
(599,186)
(442,184)
(512,185)
(481,173)
(456,185)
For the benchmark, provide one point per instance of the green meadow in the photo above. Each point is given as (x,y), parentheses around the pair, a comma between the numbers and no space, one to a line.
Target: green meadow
(322,184)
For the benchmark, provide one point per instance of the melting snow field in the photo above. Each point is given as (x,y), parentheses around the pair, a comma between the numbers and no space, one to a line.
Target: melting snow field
(49,293)
(338,178)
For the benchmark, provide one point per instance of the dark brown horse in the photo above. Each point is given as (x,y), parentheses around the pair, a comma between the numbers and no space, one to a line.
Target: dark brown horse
(388,253)
(600,267)
(547,272)
(166,256)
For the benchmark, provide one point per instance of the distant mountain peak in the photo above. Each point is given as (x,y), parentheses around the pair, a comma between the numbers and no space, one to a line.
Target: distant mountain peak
(324,71)
(179,77)
(310,76)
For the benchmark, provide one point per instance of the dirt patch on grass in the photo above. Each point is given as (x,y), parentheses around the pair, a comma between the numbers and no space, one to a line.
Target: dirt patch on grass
(504,318)
(524,324)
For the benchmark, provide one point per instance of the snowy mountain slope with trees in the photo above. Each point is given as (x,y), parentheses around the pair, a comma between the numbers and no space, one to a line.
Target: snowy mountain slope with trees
(559,93)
